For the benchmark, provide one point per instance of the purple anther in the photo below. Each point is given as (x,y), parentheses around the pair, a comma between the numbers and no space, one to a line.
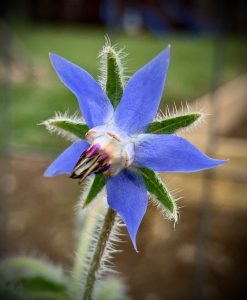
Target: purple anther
(91,151)
(103,168)
(102,157)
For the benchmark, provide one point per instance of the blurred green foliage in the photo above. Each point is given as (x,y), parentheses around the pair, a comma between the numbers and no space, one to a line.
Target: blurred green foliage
(28,278)
(38,96)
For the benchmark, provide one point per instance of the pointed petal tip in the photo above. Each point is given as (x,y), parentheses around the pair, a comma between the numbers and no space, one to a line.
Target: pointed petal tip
(94,103)
(223,161)
(166,53)
(66,161)
(211,163)
(219,162)
(168,49)
(53,57)
(51,54)
(48,173)
(56,59)
(146,86)
(129,202)
(171,153)
(133,239)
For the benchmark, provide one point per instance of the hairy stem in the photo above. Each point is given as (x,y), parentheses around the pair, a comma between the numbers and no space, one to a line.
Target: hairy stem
(86,234)
(99,251)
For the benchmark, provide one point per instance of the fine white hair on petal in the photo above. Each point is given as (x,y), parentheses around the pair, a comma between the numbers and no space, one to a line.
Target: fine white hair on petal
(89,224)
(50,124)
(119,55)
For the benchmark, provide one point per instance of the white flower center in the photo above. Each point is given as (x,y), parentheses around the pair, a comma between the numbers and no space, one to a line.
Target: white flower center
(110,151)
(114,143)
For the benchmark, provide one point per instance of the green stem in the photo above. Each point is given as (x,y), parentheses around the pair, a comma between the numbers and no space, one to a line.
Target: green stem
(83,248)
(98,254)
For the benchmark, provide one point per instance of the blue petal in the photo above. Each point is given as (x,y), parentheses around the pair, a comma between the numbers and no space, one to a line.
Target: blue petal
(142,95)
(94,104)
(127,194)
(66,161)
(170,153)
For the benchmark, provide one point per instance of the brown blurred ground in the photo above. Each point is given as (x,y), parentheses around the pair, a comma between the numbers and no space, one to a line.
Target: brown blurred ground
(41,222)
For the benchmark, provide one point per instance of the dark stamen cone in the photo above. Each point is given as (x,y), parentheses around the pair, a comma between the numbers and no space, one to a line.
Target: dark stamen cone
(91,161)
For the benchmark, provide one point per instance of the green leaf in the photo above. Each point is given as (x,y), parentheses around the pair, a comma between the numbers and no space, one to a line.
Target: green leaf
(35,279)
(65,126)
(172,124)
(156,187)
(114,86)
(96,187)
(23,266)
(40,289)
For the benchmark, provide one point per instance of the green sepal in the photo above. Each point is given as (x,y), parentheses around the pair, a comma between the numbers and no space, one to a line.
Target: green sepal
(114,86)
(157,188)
(77,129)
(96,187)
(172,124)
(35,278)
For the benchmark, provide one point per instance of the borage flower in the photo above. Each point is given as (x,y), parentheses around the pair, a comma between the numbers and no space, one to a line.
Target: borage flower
(122,143)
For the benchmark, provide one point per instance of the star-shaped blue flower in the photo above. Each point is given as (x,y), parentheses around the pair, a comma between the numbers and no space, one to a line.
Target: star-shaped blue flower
(117,144)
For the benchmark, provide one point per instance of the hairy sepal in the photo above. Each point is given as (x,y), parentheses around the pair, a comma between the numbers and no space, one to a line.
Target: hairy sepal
(162,197)
(95,188)
(112,77)
(71,128)
(173,124)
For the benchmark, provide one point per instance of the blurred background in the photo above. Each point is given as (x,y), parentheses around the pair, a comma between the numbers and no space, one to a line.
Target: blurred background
(205,256)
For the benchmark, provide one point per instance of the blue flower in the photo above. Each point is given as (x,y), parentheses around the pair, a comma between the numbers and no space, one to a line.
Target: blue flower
(116,143)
